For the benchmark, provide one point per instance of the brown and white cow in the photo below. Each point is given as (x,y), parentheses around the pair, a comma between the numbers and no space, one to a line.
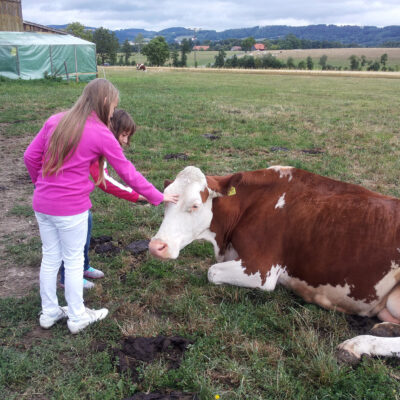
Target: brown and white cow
(141,67)
(333,243)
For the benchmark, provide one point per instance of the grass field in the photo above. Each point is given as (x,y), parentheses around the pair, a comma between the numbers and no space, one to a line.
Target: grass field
(247,344)
(336,57)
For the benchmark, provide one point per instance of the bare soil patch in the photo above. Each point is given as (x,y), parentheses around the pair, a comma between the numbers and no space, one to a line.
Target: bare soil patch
(15,189)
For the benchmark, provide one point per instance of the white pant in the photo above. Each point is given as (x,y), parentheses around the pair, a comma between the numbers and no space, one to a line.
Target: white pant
(63,239)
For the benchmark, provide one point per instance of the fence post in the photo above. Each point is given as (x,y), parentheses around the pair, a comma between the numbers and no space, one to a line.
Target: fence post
(66,70)
(76,67)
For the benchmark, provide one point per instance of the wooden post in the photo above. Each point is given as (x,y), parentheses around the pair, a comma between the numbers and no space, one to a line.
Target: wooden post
(76,67)
(51,61)
(66,70)
(17,59)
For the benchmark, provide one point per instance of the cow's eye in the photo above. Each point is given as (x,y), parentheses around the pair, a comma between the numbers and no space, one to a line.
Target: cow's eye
(193,208)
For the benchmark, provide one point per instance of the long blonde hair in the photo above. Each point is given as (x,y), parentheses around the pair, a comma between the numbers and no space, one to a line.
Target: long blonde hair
(97,96)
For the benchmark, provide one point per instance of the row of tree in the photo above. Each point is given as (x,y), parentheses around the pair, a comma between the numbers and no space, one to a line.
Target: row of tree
(270,62)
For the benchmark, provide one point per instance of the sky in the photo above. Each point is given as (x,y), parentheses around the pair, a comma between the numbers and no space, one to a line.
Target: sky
(218,15)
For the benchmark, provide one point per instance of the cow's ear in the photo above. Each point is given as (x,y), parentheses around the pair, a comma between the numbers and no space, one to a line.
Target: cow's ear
(224,184)
(167,182)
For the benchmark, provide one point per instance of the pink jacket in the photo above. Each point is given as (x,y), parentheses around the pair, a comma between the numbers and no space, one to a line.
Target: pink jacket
(67,193)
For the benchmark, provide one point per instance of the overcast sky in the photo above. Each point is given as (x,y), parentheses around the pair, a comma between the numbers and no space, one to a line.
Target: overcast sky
(210,14)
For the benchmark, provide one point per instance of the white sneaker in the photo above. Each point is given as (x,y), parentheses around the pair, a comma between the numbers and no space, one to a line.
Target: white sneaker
(88,318)
(47,321)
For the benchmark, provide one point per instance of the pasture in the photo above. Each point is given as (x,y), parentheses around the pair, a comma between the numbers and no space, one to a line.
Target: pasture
(247,344)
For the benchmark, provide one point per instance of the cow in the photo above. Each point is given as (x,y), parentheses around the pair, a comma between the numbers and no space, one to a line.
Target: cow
(141,67)
(333,243)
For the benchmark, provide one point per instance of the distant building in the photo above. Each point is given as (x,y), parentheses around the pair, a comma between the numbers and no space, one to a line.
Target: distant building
(236,48)
(11,19)
(259,47)
(200,48)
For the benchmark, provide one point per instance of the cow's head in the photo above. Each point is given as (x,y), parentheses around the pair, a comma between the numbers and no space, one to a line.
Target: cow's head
(190,218)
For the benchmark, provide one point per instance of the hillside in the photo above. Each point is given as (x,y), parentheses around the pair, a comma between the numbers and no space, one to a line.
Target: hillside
(367,36)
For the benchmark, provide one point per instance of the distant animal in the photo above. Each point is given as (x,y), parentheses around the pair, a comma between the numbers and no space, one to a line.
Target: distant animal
(140,67)
(335,244)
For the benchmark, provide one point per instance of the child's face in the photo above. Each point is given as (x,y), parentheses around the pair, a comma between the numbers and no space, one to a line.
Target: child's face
(123,138)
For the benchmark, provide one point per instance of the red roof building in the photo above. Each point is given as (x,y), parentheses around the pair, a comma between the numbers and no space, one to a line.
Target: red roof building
(258,46)
(200,48)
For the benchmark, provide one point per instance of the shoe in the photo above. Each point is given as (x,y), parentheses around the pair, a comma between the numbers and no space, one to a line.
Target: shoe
(88,318)
(47,321)
(86,284)
(93,273)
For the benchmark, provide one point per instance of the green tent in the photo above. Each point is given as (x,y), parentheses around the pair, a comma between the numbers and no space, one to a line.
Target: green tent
(30,55)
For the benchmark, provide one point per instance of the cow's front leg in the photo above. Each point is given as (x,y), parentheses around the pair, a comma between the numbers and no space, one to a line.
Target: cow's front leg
(234,273)
(351,351)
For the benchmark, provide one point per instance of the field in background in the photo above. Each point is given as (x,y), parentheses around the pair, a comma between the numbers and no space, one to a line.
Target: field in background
(336,57)
(248,344)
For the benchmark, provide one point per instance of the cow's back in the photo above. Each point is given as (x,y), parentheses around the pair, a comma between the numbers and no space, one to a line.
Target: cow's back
(330,236)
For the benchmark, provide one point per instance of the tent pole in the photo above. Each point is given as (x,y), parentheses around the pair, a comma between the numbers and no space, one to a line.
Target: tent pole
(17,59)
(76,67)
(51,61)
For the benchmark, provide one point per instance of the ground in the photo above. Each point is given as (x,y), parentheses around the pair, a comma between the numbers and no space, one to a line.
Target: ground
(15,189)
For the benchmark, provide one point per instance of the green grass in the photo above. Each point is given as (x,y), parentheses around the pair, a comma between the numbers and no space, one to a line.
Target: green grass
(248,344)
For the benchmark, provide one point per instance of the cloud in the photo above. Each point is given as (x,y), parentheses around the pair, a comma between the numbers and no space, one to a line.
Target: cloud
(209,14)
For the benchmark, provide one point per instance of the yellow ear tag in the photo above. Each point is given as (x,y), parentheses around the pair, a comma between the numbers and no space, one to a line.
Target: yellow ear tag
(232,191)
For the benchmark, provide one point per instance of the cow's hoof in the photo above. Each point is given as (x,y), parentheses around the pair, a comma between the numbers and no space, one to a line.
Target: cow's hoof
(347,357)
(386,329)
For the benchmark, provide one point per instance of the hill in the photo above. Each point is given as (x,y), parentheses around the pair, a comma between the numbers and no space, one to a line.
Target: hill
(366,36)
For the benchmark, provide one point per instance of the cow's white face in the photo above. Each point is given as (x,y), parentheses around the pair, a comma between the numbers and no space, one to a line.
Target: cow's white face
(187,220)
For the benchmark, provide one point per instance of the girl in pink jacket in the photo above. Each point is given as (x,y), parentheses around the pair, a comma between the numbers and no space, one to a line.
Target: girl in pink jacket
(58,161)
(123,127)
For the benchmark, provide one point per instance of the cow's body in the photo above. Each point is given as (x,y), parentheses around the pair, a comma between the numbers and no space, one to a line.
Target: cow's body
(333,243)
(140,67)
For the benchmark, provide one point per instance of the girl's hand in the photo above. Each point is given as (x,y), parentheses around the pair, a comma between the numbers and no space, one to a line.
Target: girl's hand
(171,198)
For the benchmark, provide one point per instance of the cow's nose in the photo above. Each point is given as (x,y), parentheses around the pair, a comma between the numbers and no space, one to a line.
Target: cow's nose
(158,248)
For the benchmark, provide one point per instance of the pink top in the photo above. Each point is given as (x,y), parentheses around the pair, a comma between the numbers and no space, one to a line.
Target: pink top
(67,193)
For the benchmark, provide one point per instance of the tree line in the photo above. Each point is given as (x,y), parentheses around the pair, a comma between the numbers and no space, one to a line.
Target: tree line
(158,51)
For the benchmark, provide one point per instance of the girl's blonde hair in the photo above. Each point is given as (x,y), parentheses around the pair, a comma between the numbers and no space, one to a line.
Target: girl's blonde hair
(121,122)
(97,96)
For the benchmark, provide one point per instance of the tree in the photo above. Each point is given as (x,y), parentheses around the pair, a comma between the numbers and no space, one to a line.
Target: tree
(290,63)
(186,48)
(384,59)
(78,30)
(248,43)
(323,60)
(106,44)
(310,63)
(139,41)
(220,59)
(354,63)
(302,65)
(127,49)
(156,51)
(363,61)
(175,58)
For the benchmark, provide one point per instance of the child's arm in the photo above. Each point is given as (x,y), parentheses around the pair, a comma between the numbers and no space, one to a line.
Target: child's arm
(112,186)
(33,156)
(127,171)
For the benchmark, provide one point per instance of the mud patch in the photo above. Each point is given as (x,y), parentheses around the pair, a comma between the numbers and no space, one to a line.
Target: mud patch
(134,350)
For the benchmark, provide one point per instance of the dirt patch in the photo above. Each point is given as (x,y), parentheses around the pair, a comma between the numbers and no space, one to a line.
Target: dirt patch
(16,189)
(134,350)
